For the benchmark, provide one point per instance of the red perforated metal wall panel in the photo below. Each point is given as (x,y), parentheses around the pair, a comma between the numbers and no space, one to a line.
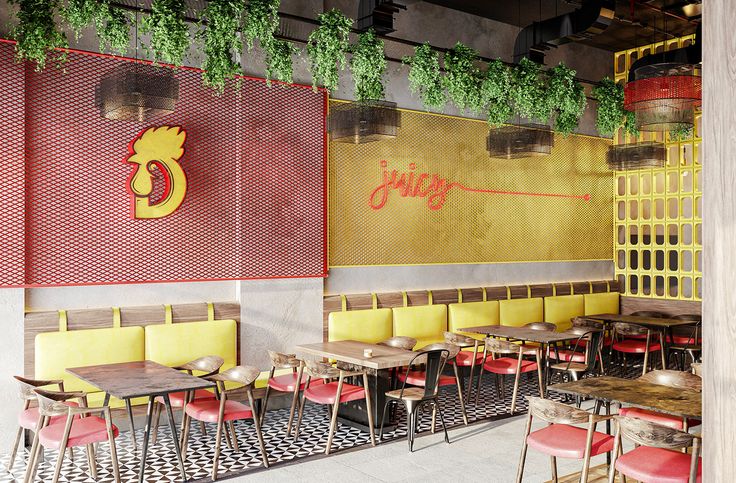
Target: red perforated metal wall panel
(254,159)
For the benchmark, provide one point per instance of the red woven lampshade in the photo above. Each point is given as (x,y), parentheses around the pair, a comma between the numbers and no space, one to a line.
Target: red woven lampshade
(664,102)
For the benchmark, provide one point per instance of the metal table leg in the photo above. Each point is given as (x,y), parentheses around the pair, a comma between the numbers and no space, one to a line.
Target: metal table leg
(146,436)
(129,407)
(172,426)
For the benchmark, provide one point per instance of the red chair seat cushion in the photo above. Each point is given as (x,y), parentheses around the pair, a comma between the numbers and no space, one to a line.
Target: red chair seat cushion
(287,382)
(567,356)
(683,340)
(28,419)
(177,398)
(635,346)
(465,358)
(508,365)
(84,431)
(418,378)
(659,418)
(564,441)
(208,410)
(327,393)
(606,342)
(657,465)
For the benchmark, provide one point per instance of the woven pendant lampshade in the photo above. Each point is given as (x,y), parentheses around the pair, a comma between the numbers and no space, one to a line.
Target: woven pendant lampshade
(636,156)
(523,141)
(137,92)
(664,96)
(358,123)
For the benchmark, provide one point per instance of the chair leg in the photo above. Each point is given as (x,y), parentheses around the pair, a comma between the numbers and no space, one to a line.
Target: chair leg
(14,453)
(156,421)
(233,436)
(369,409)
(33,457)
(333,427)
(442,420)
(661,350)
(92,461)
(264,406)
(539,375)
(522,460)
(516,392)
(261,443)
(299,415)
(412,427)
(478,386)
(62,449)
(113,450)
(383,417)
(459,395)
(470,378)
(186,423)
(646,360)
(553,464)
(294,401)
(433,427)
(218,444)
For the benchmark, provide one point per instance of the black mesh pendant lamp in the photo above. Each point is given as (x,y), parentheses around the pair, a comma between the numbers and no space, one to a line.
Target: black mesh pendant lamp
(365,122)
(647,154)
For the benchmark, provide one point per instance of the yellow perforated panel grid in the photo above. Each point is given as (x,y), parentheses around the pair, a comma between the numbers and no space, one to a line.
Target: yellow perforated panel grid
(434,196)
(658,212)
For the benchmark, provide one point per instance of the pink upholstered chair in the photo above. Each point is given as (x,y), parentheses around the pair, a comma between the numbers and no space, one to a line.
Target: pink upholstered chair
(466,358)
(204,366)
(225,410)
(658,453)
(81,427)
(334,392)
(676,379)
(560,439)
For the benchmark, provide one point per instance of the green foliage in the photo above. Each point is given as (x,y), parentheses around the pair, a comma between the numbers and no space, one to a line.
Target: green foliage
(368,65)
(630,123)
(462,79)
(528,91)
(494,92)
(278,61)
(327,46)
(261,21)
(611,113)
(113,28)
(36,34)
(682,132)
(79,14)
(565,98)
(221,41)
(169,32)
(424,77)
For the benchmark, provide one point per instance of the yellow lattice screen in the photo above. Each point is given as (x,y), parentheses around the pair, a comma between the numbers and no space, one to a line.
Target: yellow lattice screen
(468,208)
(658,212)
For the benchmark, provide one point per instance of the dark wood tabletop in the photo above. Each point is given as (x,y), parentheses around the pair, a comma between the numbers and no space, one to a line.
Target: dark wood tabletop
(645,395)
(651,322)
(522,333)
(138,379)
(352,352)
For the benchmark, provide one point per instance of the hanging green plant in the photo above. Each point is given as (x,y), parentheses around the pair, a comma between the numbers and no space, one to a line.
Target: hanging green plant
(681,132)
(494,92)
(221,41)
(424,77)
(611,114)
(528,91)
(168,30)
(79,14)
(368,65)
(630,124)
(113,28)
(279,64)
(462,78)
(37,36)
(327,46)
(261,21)
(566,99)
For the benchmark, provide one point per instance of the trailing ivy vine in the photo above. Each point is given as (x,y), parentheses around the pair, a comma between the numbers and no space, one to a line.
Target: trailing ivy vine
(37,36)
(611,112)
(528,92)
(494,92)
(111,23)
(222,43)
(462,78)
(368,65)
(79,14)
(566,99)
(327,46)
(424,77)
(279,64)
(261,21)
(681,132)
(168,29)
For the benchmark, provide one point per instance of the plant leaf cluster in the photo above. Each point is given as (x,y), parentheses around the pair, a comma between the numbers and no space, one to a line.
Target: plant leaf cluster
(37,36)
(327,47)
(425,78)
(367,66)
(168,30)
(222,44)
(462,78)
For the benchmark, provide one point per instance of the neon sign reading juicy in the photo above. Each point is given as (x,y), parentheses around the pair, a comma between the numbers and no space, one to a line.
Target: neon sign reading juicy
(434,188)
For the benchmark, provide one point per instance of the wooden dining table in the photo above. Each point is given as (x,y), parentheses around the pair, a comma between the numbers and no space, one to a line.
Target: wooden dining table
(379,365)
(149,379)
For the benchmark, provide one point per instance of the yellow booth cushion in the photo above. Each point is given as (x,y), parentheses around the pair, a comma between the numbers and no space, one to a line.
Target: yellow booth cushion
(57,351)
(560,309)
(472,314)
(369,326)
(518,312)
(177,344)
(601,303)
(426,323)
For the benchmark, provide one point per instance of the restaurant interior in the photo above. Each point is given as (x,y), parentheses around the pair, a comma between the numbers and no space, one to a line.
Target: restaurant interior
(367,240)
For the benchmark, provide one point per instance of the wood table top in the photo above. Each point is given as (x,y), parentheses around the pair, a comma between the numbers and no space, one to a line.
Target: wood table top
(351,351)
(651,322)
(138,379)
(522,333)
(645,395)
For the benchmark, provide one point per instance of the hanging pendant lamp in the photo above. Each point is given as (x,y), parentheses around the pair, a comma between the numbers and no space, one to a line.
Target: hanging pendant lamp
(358,123)
(624,157)
(137,92)
(520,141)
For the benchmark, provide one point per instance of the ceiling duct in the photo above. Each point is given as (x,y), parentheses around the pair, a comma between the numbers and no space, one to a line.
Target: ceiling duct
(378,15)
(592,18)
(358,123)
(137,92)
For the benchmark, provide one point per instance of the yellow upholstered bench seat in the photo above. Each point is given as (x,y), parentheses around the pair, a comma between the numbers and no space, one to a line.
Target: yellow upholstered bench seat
(425,323)
(562,308)
(176,344)
(518,312)
(472,314)
(602,303)
(369,326)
